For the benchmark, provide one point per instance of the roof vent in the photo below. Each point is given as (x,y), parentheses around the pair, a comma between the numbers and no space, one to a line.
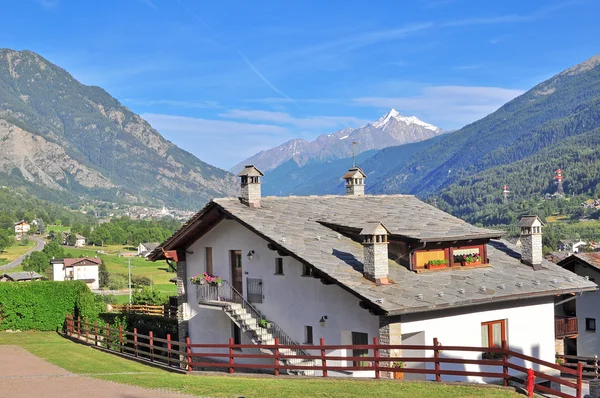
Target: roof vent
(420,296)
(519,284)
(462,291)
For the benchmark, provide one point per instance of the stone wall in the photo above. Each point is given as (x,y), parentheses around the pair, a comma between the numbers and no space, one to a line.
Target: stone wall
(251,194)
(376,260)
(355,190)
(390,332)
(531,249)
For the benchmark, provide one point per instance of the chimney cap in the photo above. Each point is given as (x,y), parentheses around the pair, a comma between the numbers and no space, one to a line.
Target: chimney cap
(250,171)
(529,220)
(355,172)
(375,228)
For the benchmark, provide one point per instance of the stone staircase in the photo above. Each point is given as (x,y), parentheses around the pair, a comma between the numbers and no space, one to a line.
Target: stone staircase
(260,335)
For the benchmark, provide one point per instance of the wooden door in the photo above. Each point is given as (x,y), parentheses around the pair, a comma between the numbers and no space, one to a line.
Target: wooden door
(237,280)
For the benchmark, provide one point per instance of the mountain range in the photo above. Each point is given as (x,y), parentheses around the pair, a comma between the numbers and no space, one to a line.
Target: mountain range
(390,130)
(554,125)
(62,140)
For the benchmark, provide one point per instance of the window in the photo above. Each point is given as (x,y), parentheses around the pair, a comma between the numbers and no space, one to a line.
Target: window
(306,270)
(590,324)
(359,338)
(492,335)
(279,266)
(308,335)
(236,333)
(209,263)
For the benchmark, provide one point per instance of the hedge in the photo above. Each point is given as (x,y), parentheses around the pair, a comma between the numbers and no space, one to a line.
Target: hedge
(42,305)
(158,325)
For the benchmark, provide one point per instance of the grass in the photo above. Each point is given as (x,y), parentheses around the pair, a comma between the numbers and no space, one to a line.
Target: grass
(56,228)
(139,266)
(15,252)
(80,359)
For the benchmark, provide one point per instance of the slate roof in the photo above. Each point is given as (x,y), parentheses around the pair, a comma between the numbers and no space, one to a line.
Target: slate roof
(251,171)
(354,173)
(591,259)
(297,224)
(527,221)
(22,276)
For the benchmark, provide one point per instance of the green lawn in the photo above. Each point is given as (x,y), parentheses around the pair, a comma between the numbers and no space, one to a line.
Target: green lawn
(140,266)
(15,251)
(56,228)
(81,359)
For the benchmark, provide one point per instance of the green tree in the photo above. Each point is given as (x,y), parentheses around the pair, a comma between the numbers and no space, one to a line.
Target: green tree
(54,250)
(36,262)
(103,276)
(149,296)
(6,239)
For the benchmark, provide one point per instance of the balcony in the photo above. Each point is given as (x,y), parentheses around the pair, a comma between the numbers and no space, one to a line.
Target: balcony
(565,327)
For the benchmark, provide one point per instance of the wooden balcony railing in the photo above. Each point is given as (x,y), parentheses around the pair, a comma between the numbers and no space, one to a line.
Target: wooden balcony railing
(565,327)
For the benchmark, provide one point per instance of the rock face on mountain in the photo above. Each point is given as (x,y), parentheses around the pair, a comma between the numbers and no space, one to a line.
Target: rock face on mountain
(391,129)
(58,134)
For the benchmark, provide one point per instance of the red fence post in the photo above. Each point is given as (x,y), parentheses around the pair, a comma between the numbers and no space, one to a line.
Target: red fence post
(436,355)
(135,342)
(323,360)
(530,382)
(231,353)
(505,363)
(376,356)
(276,357)
(151,347)
(107,330)
(95,333)
(579,392)
(120,338)
(168,349)
(86,330)
(188,351)
(79,327)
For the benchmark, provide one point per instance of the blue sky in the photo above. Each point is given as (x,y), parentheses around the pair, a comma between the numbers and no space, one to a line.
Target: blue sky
(225,79)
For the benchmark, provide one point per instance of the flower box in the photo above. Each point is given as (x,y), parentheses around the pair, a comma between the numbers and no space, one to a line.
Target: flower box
(435,266)
(478,262)
(205,278)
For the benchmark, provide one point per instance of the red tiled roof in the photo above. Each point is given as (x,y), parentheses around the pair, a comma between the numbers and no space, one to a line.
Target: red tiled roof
(69,262)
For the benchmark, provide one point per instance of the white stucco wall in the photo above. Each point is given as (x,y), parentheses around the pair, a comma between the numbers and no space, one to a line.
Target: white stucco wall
(290,300)
(529,324)
(79,272)
(588,342)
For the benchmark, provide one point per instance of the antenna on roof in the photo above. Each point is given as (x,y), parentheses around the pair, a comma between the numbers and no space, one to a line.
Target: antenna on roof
(354,145)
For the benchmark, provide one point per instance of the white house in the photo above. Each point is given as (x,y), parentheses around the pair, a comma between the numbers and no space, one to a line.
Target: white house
(572,246)
(22,227)
(144,249)
(79,240)
(585,339)
(81,269)
(350,268)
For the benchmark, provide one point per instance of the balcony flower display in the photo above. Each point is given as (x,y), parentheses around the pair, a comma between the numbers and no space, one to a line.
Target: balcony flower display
(472,259)
(205,278)
(435,264)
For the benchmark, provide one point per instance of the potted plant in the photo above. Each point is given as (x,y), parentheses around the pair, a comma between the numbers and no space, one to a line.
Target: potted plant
(560,361)
(198,279)
(263,323)
(472,259)
(398,374)
(436,264)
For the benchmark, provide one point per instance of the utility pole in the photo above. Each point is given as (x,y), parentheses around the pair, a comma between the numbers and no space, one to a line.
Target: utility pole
(129,272)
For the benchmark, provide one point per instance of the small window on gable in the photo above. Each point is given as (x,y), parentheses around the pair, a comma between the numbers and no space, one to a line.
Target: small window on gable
(306,270)
(590,324)
(278,266)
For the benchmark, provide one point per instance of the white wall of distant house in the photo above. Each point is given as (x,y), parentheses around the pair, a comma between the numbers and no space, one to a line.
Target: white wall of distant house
(59,273)
(290,300)
(529,324)
(588,342)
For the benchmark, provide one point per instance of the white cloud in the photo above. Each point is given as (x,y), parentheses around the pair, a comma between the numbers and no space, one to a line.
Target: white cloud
(175,103)
(313,122)
(218,142)
(447,106)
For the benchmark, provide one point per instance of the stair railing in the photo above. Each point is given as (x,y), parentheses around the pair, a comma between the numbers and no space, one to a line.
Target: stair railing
(227,293)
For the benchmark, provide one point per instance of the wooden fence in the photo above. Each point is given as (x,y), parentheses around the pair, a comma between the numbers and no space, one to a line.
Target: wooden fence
(374,357)
(166,310)
(590,365)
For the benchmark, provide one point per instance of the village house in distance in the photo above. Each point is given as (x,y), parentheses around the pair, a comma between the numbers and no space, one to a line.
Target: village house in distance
(353,267)
(78,269)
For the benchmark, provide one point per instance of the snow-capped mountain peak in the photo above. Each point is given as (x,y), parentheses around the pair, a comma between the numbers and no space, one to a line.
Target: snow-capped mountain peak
(394,114)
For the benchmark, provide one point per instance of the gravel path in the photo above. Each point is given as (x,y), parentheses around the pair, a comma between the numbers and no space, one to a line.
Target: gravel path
(22,374)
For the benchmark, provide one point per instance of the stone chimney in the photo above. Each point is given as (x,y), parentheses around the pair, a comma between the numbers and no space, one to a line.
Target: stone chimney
(355,182)
(250,184)
(531,241)
(375,246)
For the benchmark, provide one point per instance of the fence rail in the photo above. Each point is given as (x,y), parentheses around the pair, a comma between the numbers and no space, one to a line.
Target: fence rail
(591,365)
(169,311)
(374,357)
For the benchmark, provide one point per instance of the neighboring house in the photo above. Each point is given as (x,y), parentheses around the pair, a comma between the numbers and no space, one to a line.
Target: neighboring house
(144,249)
(76,241)
(20,277)
(586,341)
(82,269)
(79,240)
(571,246)
(354,267)
(22,227)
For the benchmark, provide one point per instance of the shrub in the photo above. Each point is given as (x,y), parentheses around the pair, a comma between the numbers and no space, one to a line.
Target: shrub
(150,297)
(117,281)
(43,305)
(158,325)
(140,280)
